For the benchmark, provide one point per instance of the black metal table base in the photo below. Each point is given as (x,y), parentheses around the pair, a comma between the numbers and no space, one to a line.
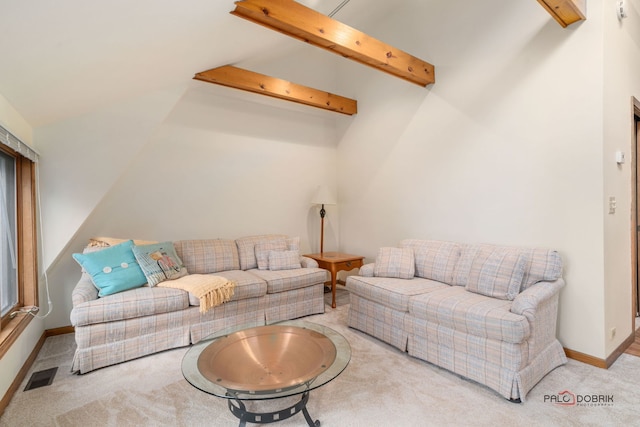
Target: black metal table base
(238,408)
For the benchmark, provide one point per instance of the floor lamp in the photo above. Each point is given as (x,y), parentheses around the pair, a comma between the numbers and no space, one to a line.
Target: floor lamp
(323,196)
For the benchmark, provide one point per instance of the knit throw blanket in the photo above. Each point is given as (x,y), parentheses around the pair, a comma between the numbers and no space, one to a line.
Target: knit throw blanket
(210,290)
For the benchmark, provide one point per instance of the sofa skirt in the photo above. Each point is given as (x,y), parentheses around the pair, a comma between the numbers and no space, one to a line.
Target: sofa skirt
(377,320)
(246,313)
(294,303)
(102,355)
(108,343)
(503,367)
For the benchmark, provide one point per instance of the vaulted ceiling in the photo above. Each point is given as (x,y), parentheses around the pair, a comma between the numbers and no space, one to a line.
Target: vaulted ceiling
(63,58)
(67,57)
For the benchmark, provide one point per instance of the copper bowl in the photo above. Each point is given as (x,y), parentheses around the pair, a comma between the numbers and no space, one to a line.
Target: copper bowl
(267,358)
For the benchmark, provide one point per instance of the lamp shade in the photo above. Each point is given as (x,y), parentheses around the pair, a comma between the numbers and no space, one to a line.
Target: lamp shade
(323,196)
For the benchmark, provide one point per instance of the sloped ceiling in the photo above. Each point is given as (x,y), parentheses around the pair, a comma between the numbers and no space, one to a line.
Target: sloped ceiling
(68,57)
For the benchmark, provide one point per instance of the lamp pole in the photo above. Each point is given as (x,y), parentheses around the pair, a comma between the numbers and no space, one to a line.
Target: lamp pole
(322,214)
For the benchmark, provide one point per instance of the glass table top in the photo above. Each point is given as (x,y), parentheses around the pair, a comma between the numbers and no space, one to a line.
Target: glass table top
(266,362)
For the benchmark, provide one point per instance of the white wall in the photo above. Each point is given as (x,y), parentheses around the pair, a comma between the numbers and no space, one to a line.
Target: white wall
(505,148)
(621,83)
(198,161)
(14,359)
(82,158)
(13,121)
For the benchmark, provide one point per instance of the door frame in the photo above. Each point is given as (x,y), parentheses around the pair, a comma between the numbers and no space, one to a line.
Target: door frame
(635,123)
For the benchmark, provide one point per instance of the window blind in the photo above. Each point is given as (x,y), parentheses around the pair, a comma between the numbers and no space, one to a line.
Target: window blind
(11,141)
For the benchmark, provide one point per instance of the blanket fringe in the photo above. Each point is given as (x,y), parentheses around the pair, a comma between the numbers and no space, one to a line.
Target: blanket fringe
(210,290)
(216,297)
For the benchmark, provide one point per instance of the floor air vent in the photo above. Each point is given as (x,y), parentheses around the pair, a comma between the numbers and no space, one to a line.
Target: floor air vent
(41,378)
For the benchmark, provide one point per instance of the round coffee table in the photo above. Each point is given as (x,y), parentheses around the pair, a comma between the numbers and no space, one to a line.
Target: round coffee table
(267,362)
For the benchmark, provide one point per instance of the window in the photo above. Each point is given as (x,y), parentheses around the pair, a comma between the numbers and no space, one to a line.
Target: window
(8,261)
(18,242)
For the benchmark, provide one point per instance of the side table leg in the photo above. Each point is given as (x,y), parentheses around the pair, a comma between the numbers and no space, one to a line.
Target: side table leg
(334,276)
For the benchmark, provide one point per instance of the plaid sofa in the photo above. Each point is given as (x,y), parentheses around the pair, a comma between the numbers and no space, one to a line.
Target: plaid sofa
(146,320)
(485,312)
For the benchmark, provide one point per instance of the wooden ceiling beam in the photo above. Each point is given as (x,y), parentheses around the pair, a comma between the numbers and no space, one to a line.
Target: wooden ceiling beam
(239,78)
(566,12)
(300,22)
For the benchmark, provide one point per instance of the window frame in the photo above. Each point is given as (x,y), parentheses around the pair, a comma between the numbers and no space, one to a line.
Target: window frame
(26,237)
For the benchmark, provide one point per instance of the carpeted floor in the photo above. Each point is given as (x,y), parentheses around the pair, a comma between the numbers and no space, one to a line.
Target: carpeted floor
(381,387)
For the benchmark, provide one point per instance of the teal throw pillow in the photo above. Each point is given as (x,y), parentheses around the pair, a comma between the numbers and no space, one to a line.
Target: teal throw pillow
(113,269)
(159,262)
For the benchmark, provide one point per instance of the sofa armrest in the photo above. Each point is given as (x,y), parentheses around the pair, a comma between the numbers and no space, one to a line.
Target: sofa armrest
(84,291)
(527,302)
(307,262)
(539,304)
(366,270)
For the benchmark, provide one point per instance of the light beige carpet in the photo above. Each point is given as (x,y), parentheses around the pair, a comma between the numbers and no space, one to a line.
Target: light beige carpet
(381,387)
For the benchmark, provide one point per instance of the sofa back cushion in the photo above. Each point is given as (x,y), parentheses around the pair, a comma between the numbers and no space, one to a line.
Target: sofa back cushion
(208,256)
(247,248)
(435,260)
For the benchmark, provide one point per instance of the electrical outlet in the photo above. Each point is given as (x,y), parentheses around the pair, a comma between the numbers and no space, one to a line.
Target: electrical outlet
(613,333)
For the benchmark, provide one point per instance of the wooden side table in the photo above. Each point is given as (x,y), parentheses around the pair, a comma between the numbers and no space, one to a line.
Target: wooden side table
(335,262)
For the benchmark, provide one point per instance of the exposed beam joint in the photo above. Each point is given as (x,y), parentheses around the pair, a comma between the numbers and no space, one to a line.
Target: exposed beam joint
(566,12)
(300,22)
(239,78)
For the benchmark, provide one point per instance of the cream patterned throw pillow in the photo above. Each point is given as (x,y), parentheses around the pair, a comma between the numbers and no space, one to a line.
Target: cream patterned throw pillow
(496,272)
(284,260)
(395,262)
(263,249)
(435,260)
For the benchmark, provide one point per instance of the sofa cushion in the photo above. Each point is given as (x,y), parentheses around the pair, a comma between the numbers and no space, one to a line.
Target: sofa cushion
(464,311)
(159,262)
(284,260)
(390,292)
(246,248)
(130,304)
(435,260)
(395,262)
(494,272)
(262,251)
(247,286)
(113,269)
(286,280)
(208,256)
